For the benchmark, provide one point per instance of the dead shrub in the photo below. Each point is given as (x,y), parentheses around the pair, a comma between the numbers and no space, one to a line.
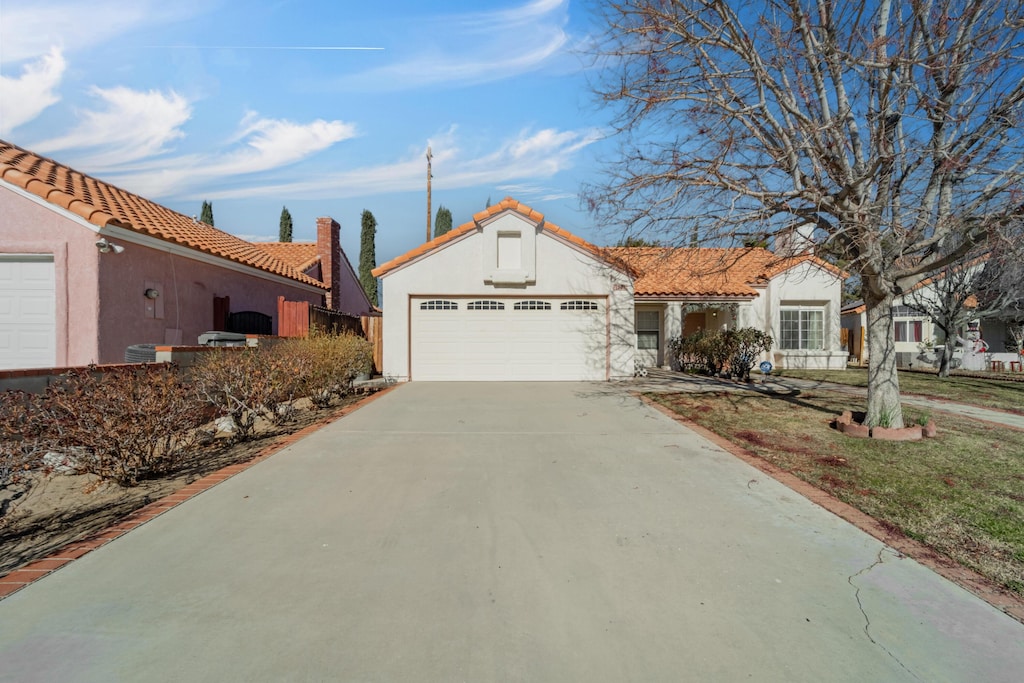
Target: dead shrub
(330,364)
(124,424)
(247,384)
(22,436)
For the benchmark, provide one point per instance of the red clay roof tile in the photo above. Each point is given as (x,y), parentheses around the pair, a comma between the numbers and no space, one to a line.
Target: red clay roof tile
(706,272)
(102,204)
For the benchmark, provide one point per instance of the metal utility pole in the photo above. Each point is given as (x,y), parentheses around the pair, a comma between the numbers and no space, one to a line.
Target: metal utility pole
(429,176)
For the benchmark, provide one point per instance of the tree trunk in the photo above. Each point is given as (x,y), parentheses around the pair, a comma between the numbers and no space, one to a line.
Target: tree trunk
(947,355)
(883,381)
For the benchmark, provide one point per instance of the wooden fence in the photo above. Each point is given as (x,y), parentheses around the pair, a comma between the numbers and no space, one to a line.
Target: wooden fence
(296,318)
(373,330)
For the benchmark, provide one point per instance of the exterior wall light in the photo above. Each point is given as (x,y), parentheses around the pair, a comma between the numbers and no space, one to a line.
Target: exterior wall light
(151,293)
(107,247)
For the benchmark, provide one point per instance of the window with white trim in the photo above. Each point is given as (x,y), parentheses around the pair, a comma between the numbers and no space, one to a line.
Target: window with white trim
(908,324)
(648,330)
(531,305)
(802,327)
(485,306)
(580,305)
(439,305)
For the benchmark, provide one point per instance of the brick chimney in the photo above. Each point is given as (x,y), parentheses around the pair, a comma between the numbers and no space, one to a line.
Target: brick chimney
(328,248)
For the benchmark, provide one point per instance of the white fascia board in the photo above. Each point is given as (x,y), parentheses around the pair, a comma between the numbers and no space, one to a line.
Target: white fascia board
(56,208)
(433,251)
(132,237)
(140,239)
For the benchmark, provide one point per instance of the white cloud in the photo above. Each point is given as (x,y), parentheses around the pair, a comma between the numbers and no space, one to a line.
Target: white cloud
(24,97)
(489,46)
(260,145)
(130,125)
(29,29)
(550,151)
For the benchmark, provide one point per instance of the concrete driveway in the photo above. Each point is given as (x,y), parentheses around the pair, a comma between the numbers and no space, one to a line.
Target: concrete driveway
(501,532)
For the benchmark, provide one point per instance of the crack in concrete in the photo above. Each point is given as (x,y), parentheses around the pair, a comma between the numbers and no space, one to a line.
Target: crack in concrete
(867,619)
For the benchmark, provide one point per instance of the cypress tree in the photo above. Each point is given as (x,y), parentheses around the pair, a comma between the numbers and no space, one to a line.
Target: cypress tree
(206,215)
(368,257)
(443,222)
(285,231)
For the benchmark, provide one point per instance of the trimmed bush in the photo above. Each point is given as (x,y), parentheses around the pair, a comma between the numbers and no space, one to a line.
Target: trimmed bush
(125,424)
(22,436)
(329,364)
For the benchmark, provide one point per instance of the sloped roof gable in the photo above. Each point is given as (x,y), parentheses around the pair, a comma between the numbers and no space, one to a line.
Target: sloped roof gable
(102,204)
(507,204)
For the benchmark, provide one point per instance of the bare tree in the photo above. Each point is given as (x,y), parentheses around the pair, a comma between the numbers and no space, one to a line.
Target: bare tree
(948,298)
(999,289)
(888,125)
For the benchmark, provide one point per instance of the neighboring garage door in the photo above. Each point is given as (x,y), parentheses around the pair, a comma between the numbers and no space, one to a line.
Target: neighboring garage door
(486,338)
(28,336)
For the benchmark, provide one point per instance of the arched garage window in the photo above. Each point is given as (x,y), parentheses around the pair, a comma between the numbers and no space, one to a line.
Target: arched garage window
(485,306)
(439,305)
(581,305)
(532,306)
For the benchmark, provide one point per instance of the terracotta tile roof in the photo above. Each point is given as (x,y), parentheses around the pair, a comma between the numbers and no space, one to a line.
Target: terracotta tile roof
(299,255)
(507,204)
(706,272)
(103,204)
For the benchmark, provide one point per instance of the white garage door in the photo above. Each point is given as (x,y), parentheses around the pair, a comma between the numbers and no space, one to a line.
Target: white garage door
(28,336)
(528,339)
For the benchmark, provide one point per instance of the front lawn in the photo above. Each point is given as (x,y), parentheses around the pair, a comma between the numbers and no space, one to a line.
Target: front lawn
(961,493)
(978,391)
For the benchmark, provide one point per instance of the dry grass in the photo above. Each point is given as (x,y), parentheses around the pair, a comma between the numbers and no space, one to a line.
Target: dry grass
(977,391)
(961,493)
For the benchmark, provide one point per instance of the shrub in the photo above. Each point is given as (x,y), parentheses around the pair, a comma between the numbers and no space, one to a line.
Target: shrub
(746,345)
(246,384)
(23,439)
(124,424)
(329,364)
(713,352)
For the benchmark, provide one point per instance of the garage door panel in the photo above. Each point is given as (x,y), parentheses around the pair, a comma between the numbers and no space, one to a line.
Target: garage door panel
(539,341)
(27,311)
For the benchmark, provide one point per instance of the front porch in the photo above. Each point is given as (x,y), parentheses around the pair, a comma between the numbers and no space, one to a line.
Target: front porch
(659,322)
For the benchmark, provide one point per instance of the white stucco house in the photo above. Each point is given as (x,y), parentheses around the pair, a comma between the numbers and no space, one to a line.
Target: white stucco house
(918,339)
(511,296)
(794,298)
(507,296)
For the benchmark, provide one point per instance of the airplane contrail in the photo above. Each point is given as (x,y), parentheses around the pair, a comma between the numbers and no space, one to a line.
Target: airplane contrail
(259,47)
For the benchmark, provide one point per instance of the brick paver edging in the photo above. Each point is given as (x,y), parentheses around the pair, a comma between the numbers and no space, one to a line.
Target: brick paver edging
(33,571)
(968,579)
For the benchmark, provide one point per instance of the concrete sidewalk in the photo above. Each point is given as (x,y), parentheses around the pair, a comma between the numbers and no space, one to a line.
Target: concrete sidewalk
(495,532)
(666,381)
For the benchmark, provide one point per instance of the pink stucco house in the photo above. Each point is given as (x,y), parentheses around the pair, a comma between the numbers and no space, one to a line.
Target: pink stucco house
(88,269)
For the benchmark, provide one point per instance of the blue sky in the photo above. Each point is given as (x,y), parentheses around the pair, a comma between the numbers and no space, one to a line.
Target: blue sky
(187,100)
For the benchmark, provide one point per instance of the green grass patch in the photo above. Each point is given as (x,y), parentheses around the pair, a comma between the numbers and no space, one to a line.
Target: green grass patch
(961,493)
(978,391)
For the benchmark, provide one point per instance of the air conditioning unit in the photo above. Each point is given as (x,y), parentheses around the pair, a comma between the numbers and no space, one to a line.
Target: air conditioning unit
(222,339)
(904,359)
(140,353)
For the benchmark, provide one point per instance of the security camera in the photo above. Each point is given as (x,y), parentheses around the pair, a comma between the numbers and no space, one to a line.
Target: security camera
(106,247)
